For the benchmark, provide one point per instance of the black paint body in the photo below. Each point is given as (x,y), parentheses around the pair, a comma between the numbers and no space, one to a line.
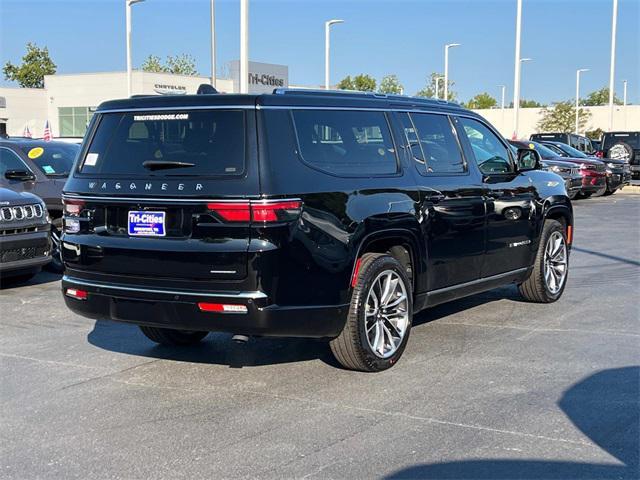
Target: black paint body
(295,277)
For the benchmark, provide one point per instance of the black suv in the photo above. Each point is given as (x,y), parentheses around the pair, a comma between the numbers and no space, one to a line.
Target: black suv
(24,235)
(576,141)
(303,213)
(623,146)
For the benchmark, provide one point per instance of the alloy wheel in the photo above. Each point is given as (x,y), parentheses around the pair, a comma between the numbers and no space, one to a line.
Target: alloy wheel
(386,314)
(555,262)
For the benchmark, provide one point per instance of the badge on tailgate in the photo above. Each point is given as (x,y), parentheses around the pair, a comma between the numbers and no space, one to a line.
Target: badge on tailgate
(146,223)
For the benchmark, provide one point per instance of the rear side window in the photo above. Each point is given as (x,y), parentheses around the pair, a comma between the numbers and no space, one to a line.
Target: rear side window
(439,148)
(346,143)
(185,143)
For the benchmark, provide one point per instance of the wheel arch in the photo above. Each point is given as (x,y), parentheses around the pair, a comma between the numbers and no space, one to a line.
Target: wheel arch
(402,244)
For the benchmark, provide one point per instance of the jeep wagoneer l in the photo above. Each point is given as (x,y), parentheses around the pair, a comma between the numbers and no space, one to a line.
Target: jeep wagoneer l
(303,213)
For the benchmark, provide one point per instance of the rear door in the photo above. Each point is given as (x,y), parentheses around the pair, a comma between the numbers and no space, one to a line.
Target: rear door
(510,197)
(452,202)
(152,195)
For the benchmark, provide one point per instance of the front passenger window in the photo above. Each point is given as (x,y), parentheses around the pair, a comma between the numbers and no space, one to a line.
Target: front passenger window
(490,153)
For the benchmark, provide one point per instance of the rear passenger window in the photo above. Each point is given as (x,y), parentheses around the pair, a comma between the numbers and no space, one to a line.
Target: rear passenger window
(346,142)
(440,151)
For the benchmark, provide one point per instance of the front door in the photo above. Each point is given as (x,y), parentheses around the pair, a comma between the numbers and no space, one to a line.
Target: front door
(510,200)
(452,203)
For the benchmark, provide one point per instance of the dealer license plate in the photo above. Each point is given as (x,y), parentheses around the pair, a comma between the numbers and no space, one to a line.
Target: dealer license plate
(146,223)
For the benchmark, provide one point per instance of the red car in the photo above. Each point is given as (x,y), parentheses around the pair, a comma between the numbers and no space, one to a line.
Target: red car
(593,171)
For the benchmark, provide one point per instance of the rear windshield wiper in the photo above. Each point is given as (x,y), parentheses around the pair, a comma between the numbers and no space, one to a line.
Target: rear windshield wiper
(164,164)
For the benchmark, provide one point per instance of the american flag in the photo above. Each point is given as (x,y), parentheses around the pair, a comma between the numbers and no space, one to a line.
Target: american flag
(27,132)
(47,132)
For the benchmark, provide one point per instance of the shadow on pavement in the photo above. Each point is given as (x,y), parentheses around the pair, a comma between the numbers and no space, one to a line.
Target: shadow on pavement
(7,283)
(216,348)
(604,406)
(607,256)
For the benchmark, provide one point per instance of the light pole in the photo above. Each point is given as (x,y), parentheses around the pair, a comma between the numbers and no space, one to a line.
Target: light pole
(213,44)
(446,68)
(128,4)
(244,46)
(516,79)
(624,102)
(503,88)
(612,69)
(327,30)
(578,72)
(516,111)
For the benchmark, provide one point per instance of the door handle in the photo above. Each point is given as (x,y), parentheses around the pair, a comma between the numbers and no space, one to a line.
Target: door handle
(438,197)
(496,193)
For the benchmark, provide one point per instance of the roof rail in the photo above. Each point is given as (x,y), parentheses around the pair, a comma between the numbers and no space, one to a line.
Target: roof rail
(358,93)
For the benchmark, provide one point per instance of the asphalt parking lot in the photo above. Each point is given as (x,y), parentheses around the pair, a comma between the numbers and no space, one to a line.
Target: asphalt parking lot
(489,387)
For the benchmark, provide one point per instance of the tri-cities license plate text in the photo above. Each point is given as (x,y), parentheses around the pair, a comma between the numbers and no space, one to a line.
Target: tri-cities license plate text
(147,224)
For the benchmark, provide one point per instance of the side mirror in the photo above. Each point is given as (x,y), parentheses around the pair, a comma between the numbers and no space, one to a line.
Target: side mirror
(528,159)
(21,175)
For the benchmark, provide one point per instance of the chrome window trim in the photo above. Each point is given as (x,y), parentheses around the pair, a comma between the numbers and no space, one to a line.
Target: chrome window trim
(178,107)
(255,201)
(246,295)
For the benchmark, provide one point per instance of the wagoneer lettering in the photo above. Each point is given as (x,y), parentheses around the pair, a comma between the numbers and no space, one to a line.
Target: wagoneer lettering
(318,214)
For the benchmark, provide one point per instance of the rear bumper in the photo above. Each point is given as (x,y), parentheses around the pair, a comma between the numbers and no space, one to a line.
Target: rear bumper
(179,310)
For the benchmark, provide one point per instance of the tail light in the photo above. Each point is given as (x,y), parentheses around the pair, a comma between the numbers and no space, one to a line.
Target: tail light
(600,154)
(262,211)
(222,308)
(72,207)
(76,293)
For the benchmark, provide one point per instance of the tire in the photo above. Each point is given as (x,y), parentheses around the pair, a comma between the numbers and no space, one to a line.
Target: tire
(536,288)
(352,348)
(621,151)
(586,195)
(171,337)
(55,265)
(608,192)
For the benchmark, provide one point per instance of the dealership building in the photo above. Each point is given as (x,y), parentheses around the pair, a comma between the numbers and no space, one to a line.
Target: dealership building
(68,101)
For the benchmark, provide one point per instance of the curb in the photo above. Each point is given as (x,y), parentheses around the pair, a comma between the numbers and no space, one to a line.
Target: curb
(631,189)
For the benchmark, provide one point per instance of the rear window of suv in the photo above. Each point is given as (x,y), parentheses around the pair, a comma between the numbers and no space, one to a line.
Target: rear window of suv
(180,143)
(630,138)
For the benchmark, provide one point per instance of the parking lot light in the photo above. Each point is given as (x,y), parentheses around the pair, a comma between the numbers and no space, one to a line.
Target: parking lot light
(128,5)
(517,65)
(446,68)
(612,66)
(327,44)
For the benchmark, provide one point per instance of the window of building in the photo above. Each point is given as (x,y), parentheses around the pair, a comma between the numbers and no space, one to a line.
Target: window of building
(352,143)
(73,121)
(440,151)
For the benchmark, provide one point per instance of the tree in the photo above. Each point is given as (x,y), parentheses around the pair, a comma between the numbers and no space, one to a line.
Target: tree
(482,100)
(362,82)
(524,103)
(562,118)
(180,64)
(600,97)
(36,63)
(594,134)
(390,84)
(429,89)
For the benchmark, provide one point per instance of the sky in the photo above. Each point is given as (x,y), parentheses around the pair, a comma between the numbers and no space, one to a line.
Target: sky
(379,37)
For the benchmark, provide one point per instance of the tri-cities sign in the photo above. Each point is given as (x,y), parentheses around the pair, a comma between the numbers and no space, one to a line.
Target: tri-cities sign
(263,77)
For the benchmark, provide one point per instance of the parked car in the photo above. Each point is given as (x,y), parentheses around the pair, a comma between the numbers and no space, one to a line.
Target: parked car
(41,168)
(623,146)
(25,245)
(576,141)
(597,145)
(618,171)
(303,213)
(569,172)
(592,170)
